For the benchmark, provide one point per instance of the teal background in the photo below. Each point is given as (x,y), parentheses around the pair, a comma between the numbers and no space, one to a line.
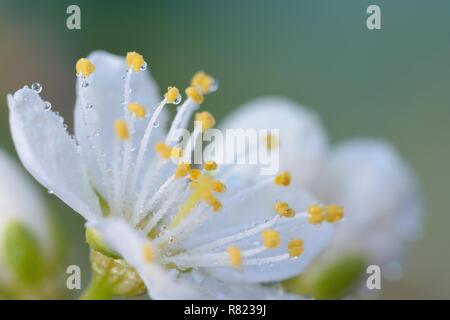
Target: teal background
(393,83)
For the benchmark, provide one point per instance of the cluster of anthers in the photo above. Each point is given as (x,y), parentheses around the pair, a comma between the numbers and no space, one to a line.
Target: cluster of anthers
(169,208)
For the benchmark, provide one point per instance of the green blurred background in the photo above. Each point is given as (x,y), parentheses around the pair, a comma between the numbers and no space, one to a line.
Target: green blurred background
(393,83)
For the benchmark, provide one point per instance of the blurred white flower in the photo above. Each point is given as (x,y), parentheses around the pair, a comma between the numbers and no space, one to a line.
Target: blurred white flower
(28,250)
(163,218)
(382,200)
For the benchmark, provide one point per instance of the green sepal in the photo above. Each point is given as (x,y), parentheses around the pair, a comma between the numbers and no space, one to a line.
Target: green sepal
(95,241)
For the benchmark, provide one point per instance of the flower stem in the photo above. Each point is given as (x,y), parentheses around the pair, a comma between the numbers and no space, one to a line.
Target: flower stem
(98,289)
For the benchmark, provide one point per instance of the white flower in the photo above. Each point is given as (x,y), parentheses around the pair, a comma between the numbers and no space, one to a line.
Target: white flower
(25,234)
(382,200)
(164,218)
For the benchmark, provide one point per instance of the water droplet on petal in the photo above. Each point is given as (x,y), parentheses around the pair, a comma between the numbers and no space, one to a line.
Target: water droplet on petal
(50,191)
(36,87)
(84,84)
(144,66)
(178,99)
(156,124)
(47,106)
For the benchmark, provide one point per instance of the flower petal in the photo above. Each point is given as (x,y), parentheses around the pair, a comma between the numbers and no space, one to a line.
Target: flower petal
(49,153)
(21,201)
(164,284)
(101,103)
(381,197)
(255,209)
(302,140)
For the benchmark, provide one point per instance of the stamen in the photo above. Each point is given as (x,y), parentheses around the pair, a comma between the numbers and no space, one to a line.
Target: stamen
(206,119)
(183,226)
(238,236)
(161,212)
(195,174)
(219,187)
(137,110)
(210,199)
(163,150)
(184,112)
(203,81)
(195,95)
(148,253)
(334,213)
(295,247)
(182,170)
(271,141)
(84,67)
(235,256)
(135,61)
(176,153)
(172,95)
(121,129)
(315,214)
(203,185)
(210,165)
(283,209)
(283,179)
(145,141)
(271,238)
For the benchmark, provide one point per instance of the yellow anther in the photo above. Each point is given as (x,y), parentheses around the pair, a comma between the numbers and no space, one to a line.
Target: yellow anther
(216,206)
(271,238)
(203,81)
(137,110)
(235,256)
(195,95)
(194,174)
(206,119)
(182,170)
(84,67)
(295,247)
(219,186)
(148,253)
(121,129)
(172,95)
(163,150)
(135,61)
(334,213)
(283,209)
(199,188)
(210,199)
(272,141)
(176,152)
(210,165)
(283,179)
(315,214)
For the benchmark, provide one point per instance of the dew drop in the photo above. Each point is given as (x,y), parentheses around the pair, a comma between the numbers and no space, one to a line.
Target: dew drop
(47,106)
(50,191)
(36,87)
(178,99)
(214,86)
(156,124)
(84,84)
(144,66)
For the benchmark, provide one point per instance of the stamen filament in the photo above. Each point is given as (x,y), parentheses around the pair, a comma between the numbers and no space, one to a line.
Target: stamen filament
(144,144)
